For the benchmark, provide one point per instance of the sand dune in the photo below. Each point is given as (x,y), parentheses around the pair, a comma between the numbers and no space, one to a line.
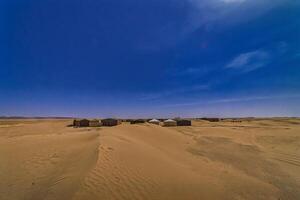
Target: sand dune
(254,159)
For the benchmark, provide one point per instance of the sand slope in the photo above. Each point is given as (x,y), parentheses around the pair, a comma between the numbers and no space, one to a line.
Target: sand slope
(256,159)
(44,160)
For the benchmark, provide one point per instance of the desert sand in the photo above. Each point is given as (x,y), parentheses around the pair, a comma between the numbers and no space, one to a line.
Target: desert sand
(252,159)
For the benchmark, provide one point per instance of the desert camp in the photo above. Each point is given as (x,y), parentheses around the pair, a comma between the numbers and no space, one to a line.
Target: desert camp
(150,100)
(115,122)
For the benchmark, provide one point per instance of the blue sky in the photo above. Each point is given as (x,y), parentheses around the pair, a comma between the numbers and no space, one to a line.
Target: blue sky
(155,58)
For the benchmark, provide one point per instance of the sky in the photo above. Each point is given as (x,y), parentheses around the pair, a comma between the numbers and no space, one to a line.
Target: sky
(154,58)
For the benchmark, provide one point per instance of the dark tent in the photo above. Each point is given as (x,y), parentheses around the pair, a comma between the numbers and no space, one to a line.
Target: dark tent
(81,123)
(211,119)
(110,122)
(137,121)
(184,122)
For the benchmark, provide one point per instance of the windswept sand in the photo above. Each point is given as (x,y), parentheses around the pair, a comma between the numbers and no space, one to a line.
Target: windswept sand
(45,159)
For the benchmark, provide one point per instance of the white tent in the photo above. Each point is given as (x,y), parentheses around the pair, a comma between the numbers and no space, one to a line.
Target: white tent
(154,121)
(170,122)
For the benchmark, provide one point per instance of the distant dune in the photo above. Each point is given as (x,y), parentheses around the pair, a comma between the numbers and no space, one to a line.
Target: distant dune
(251,159)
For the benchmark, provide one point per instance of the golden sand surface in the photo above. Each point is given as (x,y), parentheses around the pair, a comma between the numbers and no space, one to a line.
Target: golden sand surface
(253,159)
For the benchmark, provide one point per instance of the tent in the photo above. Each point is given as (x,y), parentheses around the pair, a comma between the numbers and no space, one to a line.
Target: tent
(184,122)
(170,122)
(81,123)
(154,121)
(110,122)
(95,123)
(137,121)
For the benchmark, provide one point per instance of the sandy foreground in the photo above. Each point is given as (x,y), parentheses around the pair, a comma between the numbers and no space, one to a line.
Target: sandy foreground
(45,159)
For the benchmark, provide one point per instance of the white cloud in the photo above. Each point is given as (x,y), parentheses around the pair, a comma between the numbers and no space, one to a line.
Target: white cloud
(249,61)
(220,13)
(233,100)
(233,1)
(170,92)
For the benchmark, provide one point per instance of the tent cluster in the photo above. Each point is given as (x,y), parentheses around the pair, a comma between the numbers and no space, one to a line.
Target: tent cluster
(95,122)
(115,122)
(171,122)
